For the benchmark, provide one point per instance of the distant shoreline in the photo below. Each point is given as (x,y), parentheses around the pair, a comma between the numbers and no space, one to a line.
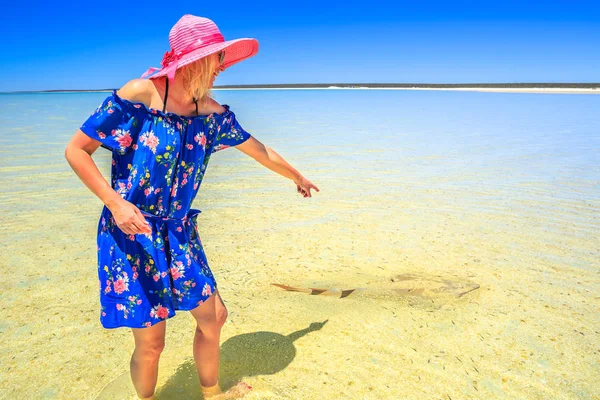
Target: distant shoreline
(592,88)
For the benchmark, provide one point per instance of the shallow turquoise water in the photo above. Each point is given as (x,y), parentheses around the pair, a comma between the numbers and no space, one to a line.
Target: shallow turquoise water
(501,139)
(511,149)
(502,188)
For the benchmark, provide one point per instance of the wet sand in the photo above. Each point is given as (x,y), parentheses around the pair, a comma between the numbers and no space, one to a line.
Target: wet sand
(530,329)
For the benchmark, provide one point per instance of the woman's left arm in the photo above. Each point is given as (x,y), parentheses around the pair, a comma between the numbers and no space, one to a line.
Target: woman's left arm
(270,159)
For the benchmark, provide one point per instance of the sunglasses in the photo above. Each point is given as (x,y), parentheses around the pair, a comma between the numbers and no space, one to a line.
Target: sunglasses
(221,57)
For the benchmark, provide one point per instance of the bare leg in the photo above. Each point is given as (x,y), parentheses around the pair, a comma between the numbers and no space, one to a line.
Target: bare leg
(210,317)
(149,343)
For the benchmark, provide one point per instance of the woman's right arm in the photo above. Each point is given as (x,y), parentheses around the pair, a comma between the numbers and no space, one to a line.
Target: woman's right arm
(79,155)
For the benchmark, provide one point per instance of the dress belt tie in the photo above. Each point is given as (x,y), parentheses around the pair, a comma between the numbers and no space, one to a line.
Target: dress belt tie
(192,213)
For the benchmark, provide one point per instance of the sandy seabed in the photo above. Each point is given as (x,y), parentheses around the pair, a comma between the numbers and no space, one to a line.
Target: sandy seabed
(530,329)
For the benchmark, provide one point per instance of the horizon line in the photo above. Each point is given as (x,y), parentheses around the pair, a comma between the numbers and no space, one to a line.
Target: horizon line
(523,85)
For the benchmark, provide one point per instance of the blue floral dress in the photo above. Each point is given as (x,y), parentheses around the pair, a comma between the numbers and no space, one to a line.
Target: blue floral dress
(158,162)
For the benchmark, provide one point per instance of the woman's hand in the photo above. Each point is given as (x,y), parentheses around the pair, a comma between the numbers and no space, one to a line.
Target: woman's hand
(303,186)
(129,218)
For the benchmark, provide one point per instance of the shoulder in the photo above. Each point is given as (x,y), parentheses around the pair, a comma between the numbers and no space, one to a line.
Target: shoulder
(212,106)
(137,90)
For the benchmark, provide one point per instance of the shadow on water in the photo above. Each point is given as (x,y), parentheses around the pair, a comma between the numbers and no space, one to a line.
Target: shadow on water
(249,354)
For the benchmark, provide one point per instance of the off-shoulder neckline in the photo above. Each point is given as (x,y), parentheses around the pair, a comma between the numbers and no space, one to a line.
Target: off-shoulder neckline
(155,111)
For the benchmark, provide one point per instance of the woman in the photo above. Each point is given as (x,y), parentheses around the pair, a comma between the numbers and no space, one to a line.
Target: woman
(150,258)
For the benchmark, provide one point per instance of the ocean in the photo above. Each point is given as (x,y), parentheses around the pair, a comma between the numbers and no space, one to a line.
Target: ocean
(423,194)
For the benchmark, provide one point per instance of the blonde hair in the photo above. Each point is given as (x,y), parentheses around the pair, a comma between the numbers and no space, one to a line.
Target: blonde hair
(197,76)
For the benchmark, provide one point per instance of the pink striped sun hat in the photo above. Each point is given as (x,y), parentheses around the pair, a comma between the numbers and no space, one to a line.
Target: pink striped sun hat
(192,38)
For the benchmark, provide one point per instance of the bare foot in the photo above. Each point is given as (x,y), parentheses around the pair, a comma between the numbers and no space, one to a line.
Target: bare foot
(235,392)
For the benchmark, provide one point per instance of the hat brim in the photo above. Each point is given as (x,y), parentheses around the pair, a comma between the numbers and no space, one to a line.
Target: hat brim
(235,51)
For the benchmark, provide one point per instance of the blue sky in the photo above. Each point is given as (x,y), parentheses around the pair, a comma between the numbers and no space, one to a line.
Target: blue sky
(93,45)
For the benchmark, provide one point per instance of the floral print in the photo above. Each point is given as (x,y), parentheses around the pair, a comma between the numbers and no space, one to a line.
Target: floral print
(158,163)
(150,140)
